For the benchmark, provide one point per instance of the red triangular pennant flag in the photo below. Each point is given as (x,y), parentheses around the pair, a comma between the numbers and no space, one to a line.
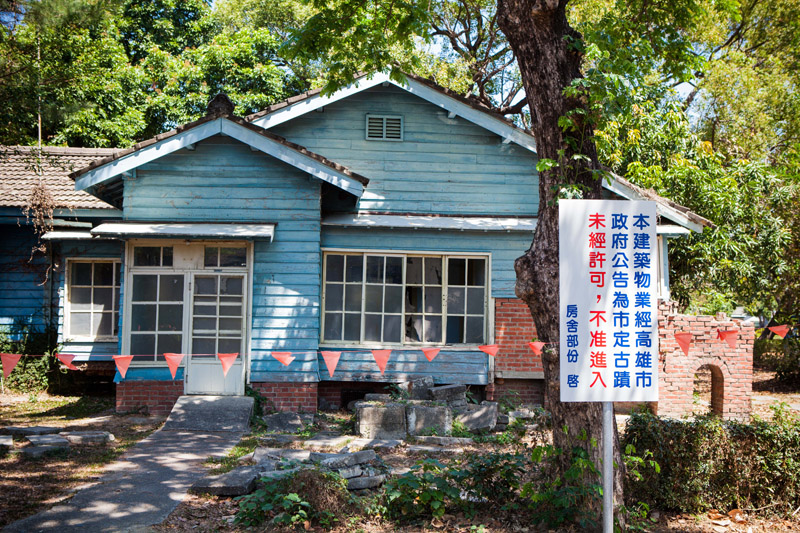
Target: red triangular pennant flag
(431,353)
(173,361)
(728,335)
(491,349)
(67,360)
(536,346)
(381,357)
(780,331)
(331,360)
(284,357)
(122,361)
(227,360)
(10,360)
(684,341)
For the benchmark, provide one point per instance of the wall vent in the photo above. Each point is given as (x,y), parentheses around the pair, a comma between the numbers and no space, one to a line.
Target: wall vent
(384,128)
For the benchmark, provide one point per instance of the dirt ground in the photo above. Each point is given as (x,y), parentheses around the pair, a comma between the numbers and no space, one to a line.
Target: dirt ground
(29,485)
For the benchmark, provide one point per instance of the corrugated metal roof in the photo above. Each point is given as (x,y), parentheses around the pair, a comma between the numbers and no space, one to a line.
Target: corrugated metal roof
(19,173)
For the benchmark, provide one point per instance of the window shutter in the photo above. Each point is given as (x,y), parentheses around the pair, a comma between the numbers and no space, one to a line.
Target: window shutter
(384,128)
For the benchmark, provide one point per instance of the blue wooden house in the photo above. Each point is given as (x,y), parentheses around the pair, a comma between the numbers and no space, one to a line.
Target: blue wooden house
(385,216)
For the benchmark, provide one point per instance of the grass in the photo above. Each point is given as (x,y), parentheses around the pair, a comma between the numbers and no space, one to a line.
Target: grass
(221,465)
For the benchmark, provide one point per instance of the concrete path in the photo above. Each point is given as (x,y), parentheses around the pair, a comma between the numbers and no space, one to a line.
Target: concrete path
(152,478)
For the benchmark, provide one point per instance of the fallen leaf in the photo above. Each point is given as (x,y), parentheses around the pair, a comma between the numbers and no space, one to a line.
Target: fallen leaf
(713,514)
(724,522)
(719,529)
(738,516)
(306,525)
(438,524)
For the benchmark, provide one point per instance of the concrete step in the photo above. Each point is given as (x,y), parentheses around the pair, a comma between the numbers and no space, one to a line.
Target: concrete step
(210,414)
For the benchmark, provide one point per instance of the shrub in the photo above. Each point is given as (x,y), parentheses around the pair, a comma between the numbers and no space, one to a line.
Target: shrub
(31,374)
(491,481)
(707,463)
(423,492)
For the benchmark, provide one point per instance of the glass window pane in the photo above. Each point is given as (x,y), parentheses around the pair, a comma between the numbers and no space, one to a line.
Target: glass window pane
(433,270)
(143,344)
(117,273)
(102,324)
(210,256)
(147,256)
(352,298)
(210,299)
(414,270)
(80,299)
(233,257)
(474,329)
(456,271)
(334,293)
(204,345)
(455,329)
(374,269)
(455,300)
(393,299)
(394,270)
(143,317)
(373,298)
(413,328)
(231,285)
(166,259)
(230,310)
(115,323)
(204,323)
(230,345)
(81,273)
(169,344)
(144,288)
(355,268)
(433,299)
(230,299)
(334,267)
(205,310)
(170,317)
(80,324)
(392,328)
(333,326)
(413,299)
(117,303)
(171,288)
(372,328)
(104,274)
(352,326)
(475,301)
(103,299)
(433,329)
(230,324)
(476,273)
(205,285)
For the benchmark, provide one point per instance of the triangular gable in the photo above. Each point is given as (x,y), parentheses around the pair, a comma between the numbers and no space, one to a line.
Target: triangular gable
(186,136)
(454,104)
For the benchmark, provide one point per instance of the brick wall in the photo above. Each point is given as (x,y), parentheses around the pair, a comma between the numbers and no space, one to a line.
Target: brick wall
(526,391)
(156,397)
(296,397)
(731,368)
(338,393)
(514,329)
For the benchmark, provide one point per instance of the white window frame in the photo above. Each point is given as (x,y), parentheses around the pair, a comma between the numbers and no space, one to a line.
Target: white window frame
(188,273)
(68,307)
(488,322)
(384,118)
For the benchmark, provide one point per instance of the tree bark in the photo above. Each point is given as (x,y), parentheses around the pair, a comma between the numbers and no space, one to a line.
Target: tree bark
(540,36)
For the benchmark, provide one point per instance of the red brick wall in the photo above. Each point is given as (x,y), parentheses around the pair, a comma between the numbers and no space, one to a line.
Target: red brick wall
(732,368)
(526,391)
(331,391)
(296,397)
(157,397)
(513,330)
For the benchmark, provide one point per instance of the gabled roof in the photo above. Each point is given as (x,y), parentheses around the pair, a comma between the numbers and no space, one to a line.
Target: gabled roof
(456,105)
(99,173)
(18,175)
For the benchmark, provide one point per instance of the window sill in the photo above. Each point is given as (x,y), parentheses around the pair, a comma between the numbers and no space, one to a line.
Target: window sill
(90,339)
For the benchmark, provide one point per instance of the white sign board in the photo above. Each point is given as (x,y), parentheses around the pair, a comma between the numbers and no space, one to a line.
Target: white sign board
(608,301)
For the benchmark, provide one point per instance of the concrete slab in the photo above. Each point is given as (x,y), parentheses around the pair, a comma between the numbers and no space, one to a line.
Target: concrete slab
(6,441)
(287,422)
(40,451)
(377,444)
(88,437)
(445,441)
(325,442)
(210,413)
(237,482)
(21,431)
(48,440)
(360,483)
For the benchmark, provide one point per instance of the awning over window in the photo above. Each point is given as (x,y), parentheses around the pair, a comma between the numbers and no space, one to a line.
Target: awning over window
(66,236)
(195,230)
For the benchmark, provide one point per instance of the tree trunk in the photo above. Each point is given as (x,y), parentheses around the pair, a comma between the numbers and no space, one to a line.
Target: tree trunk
(540,36)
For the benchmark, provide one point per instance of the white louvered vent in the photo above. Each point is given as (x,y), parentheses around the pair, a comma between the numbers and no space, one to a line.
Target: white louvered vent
(384,128)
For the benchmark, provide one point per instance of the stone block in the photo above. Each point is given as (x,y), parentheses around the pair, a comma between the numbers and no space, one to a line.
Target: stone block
(287,422)
(375,397)
(39,451)
(360,483)
(479,417)
(48,440)
(377,444)
(448,393)
(318,457)
(426,449)
(88,437)
(353,471)
(381,421)
(20,431)
(237,482)
(350,459)
(445,441)
(6,441)
(325,442)
(419,388)
(425,420)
